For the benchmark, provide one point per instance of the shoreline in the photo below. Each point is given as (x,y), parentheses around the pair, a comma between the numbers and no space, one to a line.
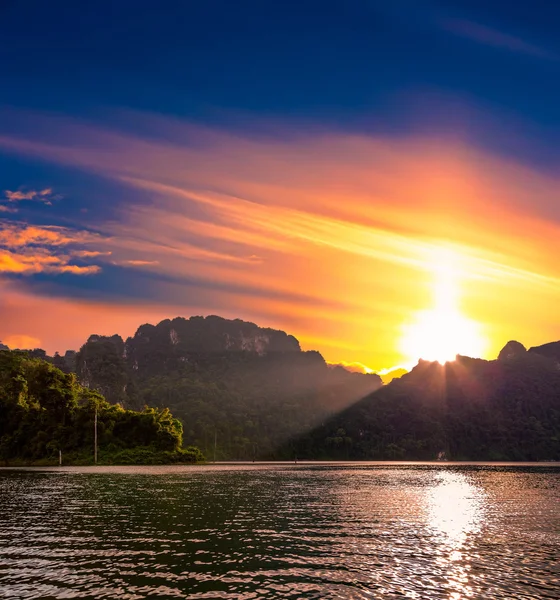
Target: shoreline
(250,465)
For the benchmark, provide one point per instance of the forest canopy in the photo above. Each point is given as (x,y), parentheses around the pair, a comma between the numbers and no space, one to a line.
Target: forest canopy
(44,412)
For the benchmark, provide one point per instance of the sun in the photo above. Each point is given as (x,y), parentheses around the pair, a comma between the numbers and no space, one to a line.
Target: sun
(441,335)
(442,332)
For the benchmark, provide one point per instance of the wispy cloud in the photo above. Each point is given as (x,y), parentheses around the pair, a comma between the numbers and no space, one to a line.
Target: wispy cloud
(44,196)
(40,195)
(28,249)
(493,37)
(28,262)
(138,263)
(332,236)
(90,253)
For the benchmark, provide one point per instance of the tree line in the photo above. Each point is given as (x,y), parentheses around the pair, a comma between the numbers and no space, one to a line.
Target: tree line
(45,413)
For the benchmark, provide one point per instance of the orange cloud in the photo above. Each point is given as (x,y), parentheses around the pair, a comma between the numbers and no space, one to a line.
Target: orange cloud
(40,263)
(354,367)
(138,263)
(334,237)
(20,234)
(89,253)
(27,249)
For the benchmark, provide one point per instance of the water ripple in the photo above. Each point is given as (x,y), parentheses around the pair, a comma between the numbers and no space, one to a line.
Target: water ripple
(346,531)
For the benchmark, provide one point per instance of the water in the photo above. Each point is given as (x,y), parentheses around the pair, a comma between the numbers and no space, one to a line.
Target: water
(281,531)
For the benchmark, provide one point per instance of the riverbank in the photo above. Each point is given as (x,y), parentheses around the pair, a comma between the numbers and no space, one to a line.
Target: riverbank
(202,465)
(131,456)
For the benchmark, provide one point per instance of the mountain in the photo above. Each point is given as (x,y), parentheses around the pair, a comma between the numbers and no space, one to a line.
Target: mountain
(471,409)
(244,388)
(551,351)
(3,346)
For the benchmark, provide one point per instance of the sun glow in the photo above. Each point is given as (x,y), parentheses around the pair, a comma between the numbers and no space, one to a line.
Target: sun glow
(439,334)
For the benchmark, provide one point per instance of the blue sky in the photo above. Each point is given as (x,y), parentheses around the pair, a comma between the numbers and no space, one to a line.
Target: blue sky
(113,114)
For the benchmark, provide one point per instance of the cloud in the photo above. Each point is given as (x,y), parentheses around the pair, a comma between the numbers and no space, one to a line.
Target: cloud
(16,235)
(138,263)
(44,196)
(40,195)
(90,253)
(28,249)
(492,37)
(353,367)
(387,375)
(38,262)
(331,236)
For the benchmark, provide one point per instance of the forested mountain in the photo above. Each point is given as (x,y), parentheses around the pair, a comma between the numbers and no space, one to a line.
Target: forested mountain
(471,409)
(44,411)
(236,386)
(250,392)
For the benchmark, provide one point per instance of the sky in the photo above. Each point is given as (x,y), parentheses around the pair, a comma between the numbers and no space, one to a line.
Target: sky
(379,179)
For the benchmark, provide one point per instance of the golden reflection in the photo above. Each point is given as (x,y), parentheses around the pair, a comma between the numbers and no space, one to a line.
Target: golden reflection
(439,334)
(455,510)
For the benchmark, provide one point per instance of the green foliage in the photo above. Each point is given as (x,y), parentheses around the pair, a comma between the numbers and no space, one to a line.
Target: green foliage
(150,456)
(44,411)
(101,365)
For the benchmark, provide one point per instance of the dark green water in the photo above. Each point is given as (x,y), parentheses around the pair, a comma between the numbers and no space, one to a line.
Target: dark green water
(281,531)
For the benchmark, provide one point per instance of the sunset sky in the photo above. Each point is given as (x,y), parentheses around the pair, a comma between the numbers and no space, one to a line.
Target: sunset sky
(379,179)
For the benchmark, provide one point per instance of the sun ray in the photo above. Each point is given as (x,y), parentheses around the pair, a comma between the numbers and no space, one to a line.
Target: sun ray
(442,332)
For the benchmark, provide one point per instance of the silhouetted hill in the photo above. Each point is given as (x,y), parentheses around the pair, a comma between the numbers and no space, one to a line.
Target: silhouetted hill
(551,350)
(251,387)
(256,393)
(512,350)
(506,409)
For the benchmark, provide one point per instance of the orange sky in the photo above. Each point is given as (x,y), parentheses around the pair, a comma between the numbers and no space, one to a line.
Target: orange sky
(335,238)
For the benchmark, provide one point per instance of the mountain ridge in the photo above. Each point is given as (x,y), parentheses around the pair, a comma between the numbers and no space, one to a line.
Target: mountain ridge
(257,393)
(469,409)
(251,387)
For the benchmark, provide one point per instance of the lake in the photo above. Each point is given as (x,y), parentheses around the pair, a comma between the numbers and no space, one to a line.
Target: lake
(361,530)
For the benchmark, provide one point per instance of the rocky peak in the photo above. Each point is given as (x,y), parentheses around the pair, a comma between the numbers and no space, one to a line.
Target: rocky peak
(212,334)
(512,350)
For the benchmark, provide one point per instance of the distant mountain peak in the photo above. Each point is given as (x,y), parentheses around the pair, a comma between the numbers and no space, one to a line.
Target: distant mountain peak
(512,350)
(215,334)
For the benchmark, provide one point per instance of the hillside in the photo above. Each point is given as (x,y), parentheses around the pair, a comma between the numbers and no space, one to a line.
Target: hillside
(44,411)
(471,409)
(244,388)
(243,392)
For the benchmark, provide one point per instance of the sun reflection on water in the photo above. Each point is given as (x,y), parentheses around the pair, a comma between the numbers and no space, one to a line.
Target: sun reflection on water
(456,511)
